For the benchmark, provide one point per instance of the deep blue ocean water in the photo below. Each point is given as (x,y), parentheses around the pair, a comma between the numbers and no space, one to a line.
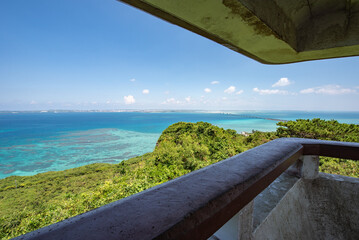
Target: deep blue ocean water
(32,143)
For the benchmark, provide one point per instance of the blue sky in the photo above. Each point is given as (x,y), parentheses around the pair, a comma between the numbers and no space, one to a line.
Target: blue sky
(103,54)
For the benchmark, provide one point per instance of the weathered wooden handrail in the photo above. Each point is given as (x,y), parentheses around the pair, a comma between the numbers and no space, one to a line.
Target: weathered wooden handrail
(195,205)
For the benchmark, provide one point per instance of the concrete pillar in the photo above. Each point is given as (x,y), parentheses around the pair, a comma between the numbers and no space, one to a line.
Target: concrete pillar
(310,168)
(239,227)
(296,168)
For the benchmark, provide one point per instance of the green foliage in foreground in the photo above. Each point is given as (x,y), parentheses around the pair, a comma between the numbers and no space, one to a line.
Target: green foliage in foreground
(28,203)
(325,130)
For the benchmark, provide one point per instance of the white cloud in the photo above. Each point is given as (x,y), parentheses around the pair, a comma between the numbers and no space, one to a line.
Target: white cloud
(282,82)
(167,92)
(239,92)
(207,90)
(132,80)
(215,82)
(224,98)
(230,90)
(129,99)
(33,102)
(328,90)
(171,101)
(108,102)
(203,100)
(308,90)
(269,91)
(145,91)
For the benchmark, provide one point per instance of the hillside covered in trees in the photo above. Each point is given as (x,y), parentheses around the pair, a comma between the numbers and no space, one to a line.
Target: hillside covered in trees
(28,203)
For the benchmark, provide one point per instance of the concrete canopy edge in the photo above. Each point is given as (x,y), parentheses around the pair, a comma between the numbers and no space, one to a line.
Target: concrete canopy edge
(271,32)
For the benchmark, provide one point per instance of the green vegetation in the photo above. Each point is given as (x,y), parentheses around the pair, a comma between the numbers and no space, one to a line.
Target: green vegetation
(319,129)
(28,203)
(325,130)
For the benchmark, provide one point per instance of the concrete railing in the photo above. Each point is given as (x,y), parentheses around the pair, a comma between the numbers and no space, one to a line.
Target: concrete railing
(196,205)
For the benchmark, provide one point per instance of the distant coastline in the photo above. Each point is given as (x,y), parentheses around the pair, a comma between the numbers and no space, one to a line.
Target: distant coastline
(233,112)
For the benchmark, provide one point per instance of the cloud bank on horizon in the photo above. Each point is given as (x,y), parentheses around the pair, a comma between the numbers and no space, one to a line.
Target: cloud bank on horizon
(215,98)
(329,90)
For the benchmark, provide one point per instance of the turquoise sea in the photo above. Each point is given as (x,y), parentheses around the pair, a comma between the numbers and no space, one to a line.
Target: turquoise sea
(35,142)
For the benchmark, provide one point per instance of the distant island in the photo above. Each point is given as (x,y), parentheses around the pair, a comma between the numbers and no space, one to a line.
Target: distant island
(116,110)
(29,203)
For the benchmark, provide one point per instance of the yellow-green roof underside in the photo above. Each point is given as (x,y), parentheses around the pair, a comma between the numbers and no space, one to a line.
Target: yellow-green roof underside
(269,31)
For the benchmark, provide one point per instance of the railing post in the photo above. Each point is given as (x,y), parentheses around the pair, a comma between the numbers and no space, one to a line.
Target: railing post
(310,166)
